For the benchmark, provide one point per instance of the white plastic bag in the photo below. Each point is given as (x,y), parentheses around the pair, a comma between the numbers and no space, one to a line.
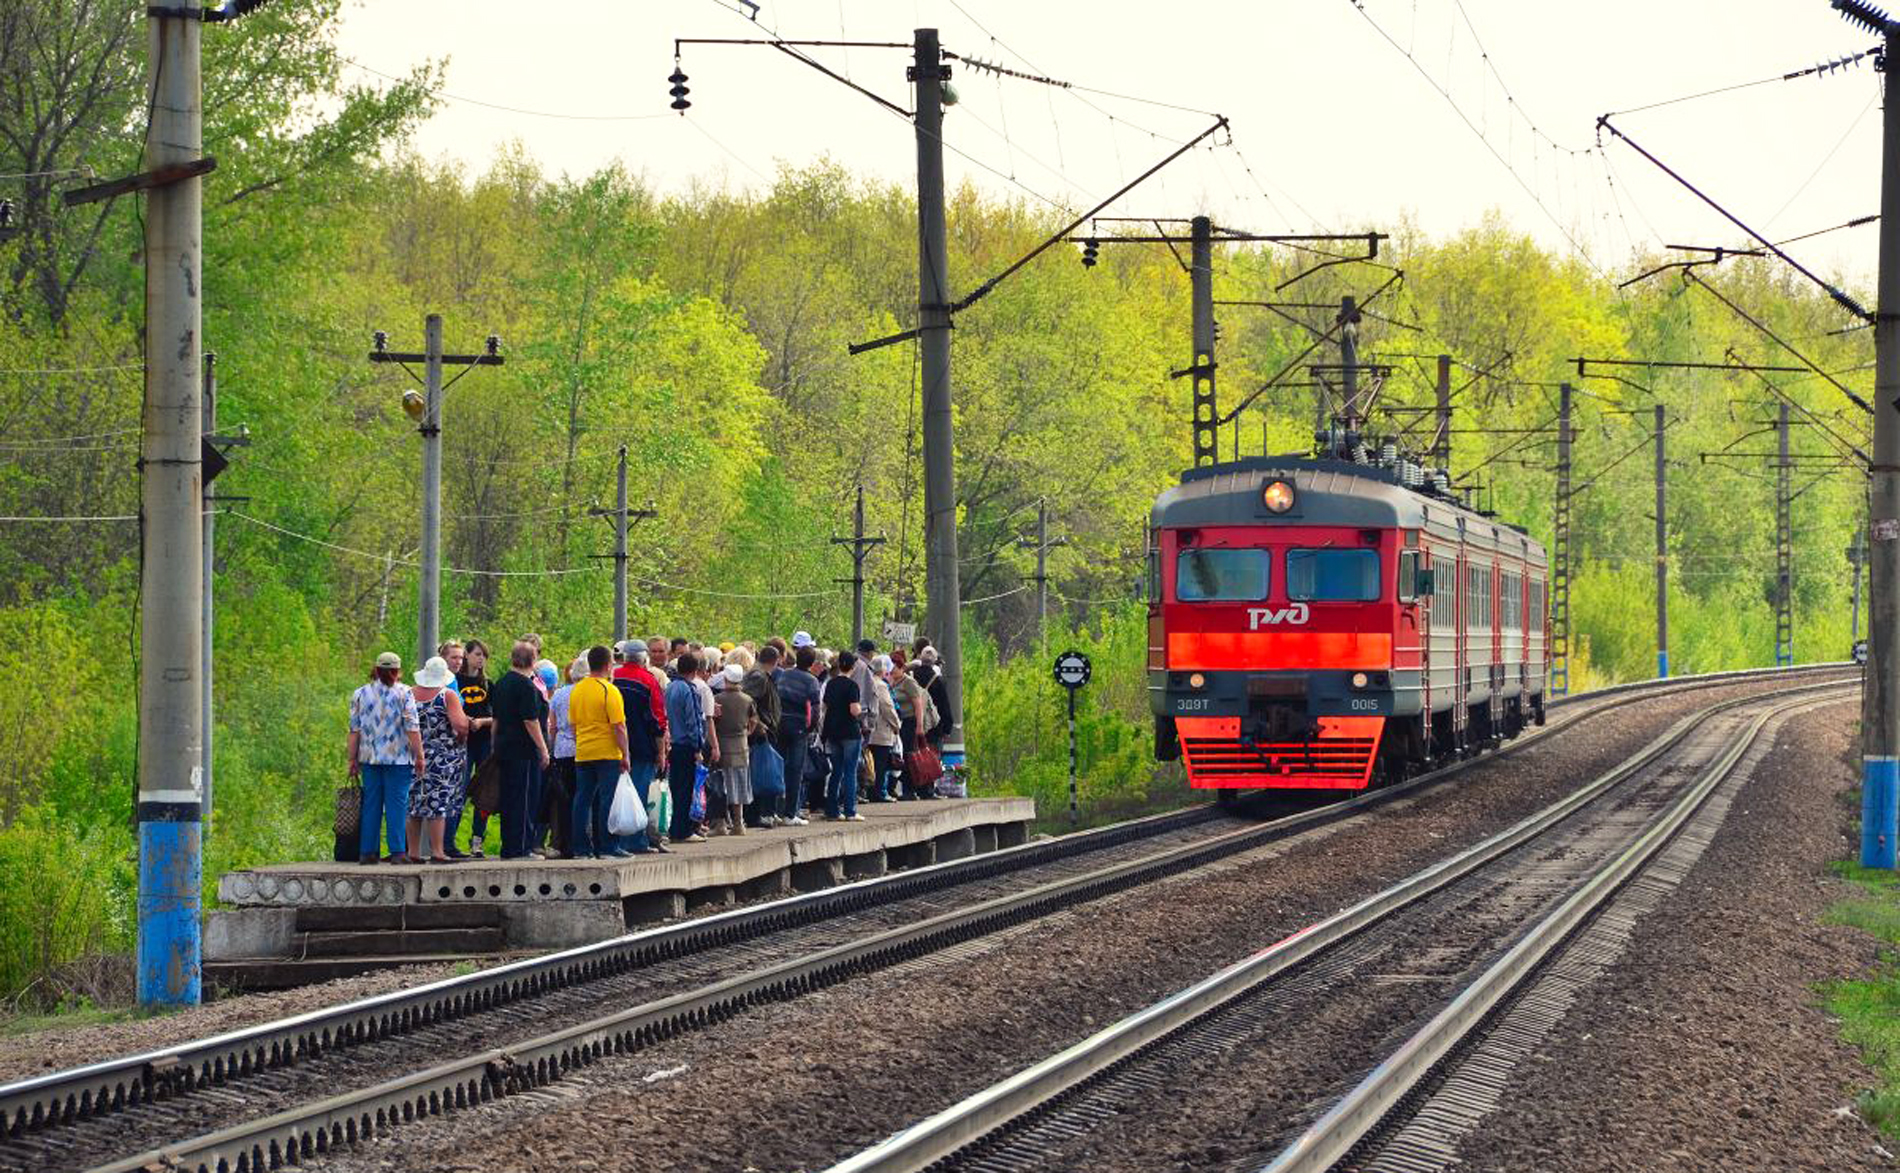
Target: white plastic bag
(627,815)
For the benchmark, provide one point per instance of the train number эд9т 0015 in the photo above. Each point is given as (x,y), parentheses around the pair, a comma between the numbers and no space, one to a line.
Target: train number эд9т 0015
(1192,704)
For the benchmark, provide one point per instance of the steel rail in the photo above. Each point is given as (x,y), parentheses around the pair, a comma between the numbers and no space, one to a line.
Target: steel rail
(82,1092)
(119,1084)
(300,1132)
(1356,1115)
(944,1134)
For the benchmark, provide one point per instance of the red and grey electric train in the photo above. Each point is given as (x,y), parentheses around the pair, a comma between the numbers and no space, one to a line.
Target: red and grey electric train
(1331,624)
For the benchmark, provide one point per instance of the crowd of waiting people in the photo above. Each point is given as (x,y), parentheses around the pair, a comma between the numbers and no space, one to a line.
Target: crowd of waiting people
(715,741)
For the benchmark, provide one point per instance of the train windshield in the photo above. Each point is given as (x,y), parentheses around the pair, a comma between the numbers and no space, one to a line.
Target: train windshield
(1332,575)
(1206,576)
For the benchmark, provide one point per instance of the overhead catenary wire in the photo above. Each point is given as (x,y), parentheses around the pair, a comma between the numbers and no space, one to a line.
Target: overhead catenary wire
(1445,92)
(59,442)
(555,572)
(388,558)
(999,595)
(32,518)
(135,366)
(468,101)
(1825,160)
(1839,295)
(1823,67)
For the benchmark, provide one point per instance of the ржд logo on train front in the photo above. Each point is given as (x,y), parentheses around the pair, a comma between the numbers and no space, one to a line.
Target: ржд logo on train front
(1332,623)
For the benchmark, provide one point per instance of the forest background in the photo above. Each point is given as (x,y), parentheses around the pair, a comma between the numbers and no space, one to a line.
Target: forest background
(707,332)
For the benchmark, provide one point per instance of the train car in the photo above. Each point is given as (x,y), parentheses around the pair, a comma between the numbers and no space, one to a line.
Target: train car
(1332,624)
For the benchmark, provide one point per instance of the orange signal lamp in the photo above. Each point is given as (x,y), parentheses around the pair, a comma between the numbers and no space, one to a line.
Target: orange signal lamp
(1278,497)
(1197,680)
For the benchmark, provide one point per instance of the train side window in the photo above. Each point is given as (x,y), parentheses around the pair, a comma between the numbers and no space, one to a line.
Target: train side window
(1329,575)
(1210,576)
(1154,572)
(1408,576)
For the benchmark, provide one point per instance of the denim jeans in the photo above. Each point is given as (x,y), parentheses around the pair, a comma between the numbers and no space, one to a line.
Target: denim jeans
(842,793)
(642,775)
(594,784)
(792,749)
(537,786)
(385,801)
(682,770)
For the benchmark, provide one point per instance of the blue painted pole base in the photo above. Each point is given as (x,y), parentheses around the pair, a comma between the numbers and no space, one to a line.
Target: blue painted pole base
(1662,665)
(170,963)
(1879,811)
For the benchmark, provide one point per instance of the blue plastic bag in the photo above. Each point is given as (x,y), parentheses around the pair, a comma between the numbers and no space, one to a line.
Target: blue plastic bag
(768,773)
(697,811)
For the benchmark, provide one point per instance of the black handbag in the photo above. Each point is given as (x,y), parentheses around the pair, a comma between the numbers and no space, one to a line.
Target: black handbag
(485,791)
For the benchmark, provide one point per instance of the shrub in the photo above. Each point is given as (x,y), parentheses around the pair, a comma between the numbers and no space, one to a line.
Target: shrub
(65,894)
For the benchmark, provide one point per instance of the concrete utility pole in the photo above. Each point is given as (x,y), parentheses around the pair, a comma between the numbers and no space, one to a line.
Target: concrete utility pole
(1441,450)
(1880,697)
(171,668)
(1201,286)
(1560,555)
(429,587)
(1784,547)
(621,515)
(943,590)
(1042,545)
(1662,554)
(427,411)
(861,548)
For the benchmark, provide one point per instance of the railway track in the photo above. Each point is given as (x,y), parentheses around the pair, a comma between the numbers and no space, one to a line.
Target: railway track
(258,1098)
(1446,947)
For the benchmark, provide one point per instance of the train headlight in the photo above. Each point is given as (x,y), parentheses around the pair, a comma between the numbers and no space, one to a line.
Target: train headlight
(1277,496)
(1358,679)
(1197,681)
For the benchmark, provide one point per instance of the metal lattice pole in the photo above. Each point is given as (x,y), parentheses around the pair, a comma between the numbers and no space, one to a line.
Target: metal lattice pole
(1784,547)
(1560,556)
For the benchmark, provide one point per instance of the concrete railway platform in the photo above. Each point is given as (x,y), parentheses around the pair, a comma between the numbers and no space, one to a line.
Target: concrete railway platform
(296,923)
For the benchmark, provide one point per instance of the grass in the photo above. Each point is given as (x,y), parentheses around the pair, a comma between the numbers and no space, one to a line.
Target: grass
(1869,1008)
(65,1016)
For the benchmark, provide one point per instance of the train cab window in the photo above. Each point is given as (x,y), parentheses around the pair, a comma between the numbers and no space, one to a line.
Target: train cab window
(1408,575)
(1209,576)
(1332,575)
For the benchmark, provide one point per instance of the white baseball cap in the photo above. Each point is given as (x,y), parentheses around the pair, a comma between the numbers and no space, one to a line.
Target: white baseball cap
(803,639)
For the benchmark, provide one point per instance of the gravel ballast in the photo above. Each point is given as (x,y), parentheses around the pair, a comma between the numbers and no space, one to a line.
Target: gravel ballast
(802,1084)
(1705,1046)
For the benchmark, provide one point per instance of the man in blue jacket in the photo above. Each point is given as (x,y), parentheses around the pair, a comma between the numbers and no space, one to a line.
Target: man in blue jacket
(686,725)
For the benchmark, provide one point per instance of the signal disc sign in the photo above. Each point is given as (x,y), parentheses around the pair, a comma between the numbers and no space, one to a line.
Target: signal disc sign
(1072,670)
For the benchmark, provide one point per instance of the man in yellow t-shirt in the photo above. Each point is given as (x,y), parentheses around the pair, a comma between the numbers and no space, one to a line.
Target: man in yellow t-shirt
(599,718)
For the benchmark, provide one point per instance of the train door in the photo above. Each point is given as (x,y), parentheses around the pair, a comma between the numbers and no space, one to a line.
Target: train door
(1419,618)
(1461,671)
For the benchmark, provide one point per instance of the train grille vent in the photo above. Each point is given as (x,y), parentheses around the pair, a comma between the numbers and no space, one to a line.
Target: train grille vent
(1212,757)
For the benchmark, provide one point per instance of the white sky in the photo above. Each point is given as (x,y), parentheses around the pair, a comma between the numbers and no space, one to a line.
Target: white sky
(1337,125)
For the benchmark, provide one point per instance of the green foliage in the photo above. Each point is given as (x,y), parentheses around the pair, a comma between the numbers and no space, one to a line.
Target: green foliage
(1018,725)
(1869,1009)
(63,895)
(707,333)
